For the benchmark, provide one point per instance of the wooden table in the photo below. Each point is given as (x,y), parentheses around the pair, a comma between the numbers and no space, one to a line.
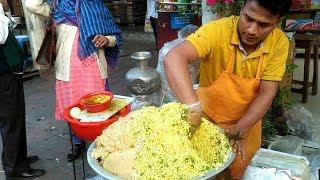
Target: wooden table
(308,41)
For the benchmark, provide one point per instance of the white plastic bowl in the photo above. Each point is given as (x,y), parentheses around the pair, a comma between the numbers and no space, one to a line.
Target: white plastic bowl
(108,175)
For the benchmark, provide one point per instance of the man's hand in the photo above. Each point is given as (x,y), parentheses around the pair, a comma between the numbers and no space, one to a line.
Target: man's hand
(195,114)
(236,135)
(257,109)
(100,41)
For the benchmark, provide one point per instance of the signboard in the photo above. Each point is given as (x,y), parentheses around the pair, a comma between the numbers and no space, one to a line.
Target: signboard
(179,21)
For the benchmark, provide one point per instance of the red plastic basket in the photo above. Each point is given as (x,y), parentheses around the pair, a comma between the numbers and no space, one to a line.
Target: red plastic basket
(89,131)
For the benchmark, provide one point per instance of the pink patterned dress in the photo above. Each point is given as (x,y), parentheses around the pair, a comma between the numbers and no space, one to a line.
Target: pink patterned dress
(84,78)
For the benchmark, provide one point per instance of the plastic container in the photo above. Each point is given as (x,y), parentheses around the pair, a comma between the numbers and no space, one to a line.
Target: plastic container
(94,108)
(287,144)
(266,158)
(90,131)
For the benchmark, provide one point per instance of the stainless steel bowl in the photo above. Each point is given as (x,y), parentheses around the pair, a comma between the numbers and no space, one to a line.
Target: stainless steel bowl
(108,175)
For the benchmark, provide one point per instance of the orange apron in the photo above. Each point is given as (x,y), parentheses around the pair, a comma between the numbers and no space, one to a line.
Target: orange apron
(226,100)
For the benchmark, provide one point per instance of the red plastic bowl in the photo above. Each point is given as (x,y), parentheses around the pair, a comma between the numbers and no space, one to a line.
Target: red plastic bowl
(89,131)
(94,108)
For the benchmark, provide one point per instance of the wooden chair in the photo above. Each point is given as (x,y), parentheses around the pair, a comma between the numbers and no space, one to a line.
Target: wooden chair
(309,42)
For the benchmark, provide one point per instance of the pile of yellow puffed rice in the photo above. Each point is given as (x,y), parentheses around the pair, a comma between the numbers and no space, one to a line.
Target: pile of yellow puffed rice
(156,143)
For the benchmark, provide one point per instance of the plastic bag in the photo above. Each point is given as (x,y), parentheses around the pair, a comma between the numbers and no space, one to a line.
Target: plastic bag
(302,123)
(167,95)
(315,134)
(186,31)
(140,101)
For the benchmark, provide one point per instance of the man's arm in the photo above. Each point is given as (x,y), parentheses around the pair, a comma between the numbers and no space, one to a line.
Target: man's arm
(177,73)
(258,107)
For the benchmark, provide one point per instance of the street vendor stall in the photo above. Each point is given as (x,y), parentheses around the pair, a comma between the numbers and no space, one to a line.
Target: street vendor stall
(174,15)
(95,112)
(149,141)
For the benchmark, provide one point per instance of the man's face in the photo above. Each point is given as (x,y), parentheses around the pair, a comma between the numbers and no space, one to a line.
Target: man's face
(255,23)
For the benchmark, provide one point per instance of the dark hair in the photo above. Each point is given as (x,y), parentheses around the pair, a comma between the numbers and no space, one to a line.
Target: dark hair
(277,7)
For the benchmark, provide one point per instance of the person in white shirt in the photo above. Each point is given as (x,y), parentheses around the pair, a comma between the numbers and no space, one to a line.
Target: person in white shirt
(153,15)
(4,23)
(15,162)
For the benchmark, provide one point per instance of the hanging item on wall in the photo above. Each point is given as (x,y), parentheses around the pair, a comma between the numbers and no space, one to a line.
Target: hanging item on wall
(147,25)
(301,4)
(299,24)
(315,4)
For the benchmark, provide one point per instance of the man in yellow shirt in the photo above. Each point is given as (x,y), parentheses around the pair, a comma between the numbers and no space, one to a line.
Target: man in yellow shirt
(242,60)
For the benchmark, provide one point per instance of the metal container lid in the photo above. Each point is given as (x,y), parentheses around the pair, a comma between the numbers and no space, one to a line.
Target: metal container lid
(142,55)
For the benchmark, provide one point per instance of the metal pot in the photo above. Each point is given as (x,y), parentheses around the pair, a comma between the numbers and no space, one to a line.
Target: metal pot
(142,80)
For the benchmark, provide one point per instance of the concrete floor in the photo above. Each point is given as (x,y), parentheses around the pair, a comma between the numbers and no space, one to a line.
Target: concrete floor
(49,139)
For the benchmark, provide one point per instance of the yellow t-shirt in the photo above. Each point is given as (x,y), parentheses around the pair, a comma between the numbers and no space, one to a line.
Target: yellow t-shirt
(214,43)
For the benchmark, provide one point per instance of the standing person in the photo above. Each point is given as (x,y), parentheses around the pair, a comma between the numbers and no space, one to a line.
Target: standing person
(242,60)
(36,32)
(87,40)
(12,115)
(153,15)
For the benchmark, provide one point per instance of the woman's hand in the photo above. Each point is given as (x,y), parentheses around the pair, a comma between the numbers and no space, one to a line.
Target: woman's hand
(100,41)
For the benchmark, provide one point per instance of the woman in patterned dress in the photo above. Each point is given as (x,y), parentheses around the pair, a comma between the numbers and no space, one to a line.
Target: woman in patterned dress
(87,41)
